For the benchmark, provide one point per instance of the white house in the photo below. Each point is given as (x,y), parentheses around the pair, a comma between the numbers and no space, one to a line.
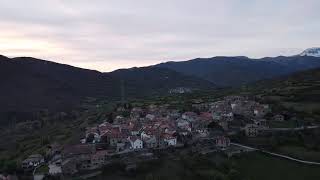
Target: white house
(150,116)
(145,135)
(32,161)
(184,124)
(135,142)
(170,140)
(189,116)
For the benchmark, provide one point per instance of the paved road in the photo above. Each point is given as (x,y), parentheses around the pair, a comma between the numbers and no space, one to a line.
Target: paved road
(277,155)
(293,129)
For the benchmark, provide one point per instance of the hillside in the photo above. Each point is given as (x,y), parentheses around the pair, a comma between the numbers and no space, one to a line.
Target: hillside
(140,82)
(235,71)
(29,84)
(298,93)
(301,86)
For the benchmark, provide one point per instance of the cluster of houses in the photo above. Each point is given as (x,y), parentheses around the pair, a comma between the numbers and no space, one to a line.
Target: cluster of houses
(158,127)
(228,112)
(180,90)
(32,161)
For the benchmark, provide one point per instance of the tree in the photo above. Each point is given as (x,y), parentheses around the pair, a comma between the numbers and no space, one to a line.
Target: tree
(233,174)
(90,138)
(10,166)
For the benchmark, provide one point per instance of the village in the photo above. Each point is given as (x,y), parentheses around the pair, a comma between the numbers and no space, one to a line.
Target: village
(156,128)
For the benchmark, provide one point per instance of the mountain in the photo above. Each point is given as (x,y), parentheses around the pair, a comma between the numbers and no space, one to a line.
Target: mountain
(305,82)
(298,91)
(235,71)
(311,52)
(29,84)
(139,82)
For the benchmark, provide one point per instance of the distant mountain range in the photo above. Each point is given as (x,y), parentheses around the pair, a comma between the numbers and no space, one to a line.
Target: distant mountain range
(29,84)
(311,52)
(235,71)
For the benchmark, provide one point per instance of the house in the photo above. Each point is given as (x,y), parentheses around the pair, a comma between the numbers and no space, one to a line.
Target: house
(72,165)
(121,146)
(205,116)
(180,90)
(260,110)
(252,130)
(136,112)
(54,169)
(222,116)
(32,161)
(146,134)
(183,124)
(54,149)
(150,142)
(243,107)
(152,109)
(262,123)
(135,128)
(92,137)
(222,142)
(220,106)
(174,114)
(81,150)
(116,136)
(135,142)
(150,117)
(183,132)
(278,117)
(203,132)
(189,116)
(120,119)
(96,160)
(169,139)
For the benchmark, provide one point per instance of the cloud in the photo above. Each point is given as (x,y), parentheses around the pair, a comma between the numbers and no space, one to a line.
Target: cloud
(106,35)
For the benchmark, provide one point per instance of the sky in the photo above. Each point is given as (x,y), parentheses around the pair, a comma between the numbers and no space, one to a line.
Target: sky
(110,34)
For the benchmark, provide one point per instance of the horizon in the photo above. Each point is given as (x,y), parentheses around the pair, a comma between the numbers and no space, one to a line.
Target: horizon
(107,36)
(52,60)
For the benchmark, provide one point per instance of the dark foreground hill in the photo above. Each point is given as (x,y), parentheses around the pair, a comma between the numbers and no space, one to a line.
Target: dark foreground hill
(29,84)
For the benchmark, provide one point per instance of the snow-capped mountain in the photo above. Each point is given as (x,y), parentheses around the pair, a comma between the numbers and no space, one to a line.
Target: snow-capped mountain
(311,52)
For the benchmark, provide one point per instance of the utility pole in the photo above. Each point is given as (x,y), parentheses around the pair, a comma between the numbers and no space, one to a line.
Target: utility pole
(122,92)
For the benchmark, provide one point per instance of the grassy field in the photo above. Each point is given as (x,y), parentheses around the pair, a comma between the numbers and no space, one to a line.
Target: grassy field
(257,166)
(282,124)
(300,152)
(42,170)
(252,166)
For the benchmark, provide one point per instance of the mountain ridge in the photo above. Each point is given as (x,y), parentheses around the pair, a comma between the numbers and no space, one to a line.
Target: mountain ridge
(235,71)
(30,84)
(314,51)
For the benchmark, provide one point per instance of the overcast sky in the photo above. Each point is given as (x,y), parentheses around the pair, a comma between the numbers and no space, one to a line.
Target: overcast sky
(111,34)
